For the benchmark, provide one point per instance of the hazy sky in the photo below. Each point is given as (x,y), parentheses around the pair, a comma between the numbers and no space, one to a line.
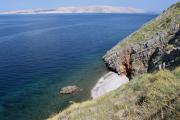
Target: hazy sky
(147,5)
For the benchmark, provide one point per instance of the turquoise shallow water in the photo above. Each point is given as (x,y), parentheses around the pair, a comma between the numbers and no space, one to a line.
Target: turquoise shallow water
(39,54)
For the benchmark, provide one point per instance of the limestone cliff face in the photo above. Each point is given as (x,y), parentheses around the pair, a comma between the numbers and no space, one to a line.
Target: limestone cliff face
(154,46)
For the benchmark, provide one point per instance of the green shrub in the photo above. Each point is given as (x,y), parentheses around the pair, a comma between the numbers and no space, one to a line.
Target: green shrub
(169,47)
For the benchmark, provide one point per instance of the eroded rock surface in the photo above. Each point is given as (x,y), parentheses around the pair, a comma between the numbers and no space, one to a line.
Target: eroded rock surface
(150,54)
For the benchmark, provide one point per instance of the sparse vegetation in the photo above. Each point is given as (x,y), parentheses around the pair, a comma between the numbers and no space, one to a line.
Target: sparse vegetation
(169,47)
(148,96)
(156,25)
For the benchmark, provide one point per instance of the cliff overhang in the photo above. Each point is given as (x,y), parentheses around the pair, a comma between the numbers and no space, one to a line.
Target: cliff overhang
(155,46)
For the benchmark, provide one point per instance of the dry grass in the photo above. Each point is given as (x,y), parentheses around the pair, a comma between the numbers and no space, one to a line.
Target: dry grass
(148,30)
(148,96)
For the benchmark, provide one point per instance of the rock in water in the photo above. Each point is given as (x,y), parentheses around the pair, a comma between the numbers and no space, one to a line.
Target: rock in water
(69,90)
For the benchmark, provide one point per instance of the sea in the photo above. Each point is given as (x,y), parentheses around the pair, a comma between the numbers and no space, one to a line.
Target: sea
(40,54)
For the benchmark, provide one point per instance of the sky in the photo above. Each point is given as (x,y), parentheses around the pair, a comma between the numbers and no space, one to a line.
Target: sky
(156,6)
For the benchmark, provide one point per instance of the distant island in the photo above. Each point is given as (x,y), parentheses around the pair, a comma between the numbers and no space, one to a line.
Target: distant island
(87,9)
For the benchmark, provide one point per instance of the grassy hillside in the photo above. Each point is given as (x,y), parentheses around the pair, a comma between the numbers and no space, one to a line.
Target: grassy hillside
(158,24)
(144,49)
(148,96)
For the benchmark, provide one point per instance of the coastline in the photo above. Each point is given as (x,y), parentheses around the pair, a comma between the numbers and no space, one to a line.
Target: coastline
(135,57)
(108,82)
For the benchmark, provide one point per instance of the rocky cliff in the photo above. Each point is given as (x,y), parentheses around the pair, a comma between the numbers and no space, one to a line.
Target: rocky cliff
(156,45)
(149,96)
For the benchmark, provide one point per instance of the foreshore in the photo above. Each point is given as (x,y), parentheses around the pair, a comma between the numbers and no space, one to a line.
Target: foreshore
(107,83)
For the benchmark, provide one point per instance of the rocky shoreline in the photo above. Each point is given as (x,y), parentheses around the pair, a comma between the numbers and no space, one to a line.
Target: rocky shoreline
(149,95)
(153,47)
(144,51)
(107,83)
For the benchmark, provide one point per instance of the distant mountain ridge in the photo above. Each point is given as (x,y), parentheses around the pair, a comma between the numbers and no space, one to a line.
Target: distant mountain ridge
(87,9)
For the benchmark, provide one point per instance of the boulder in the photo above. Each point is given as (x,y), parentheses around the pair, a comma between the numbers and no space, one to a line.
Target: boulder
(69,90)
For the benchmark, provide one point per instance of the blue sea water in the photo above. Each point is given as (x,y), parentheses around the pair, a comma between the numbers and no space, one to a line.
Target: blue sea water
(39,54)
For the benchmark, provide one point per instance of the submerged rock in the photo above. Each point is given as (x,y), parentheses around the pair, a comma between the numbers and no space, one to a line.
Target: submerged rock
(69,90)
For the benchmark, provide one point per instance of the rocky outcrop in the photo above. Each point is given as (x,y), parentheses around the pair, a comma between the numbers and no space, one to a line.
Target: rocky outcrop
(149,53)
